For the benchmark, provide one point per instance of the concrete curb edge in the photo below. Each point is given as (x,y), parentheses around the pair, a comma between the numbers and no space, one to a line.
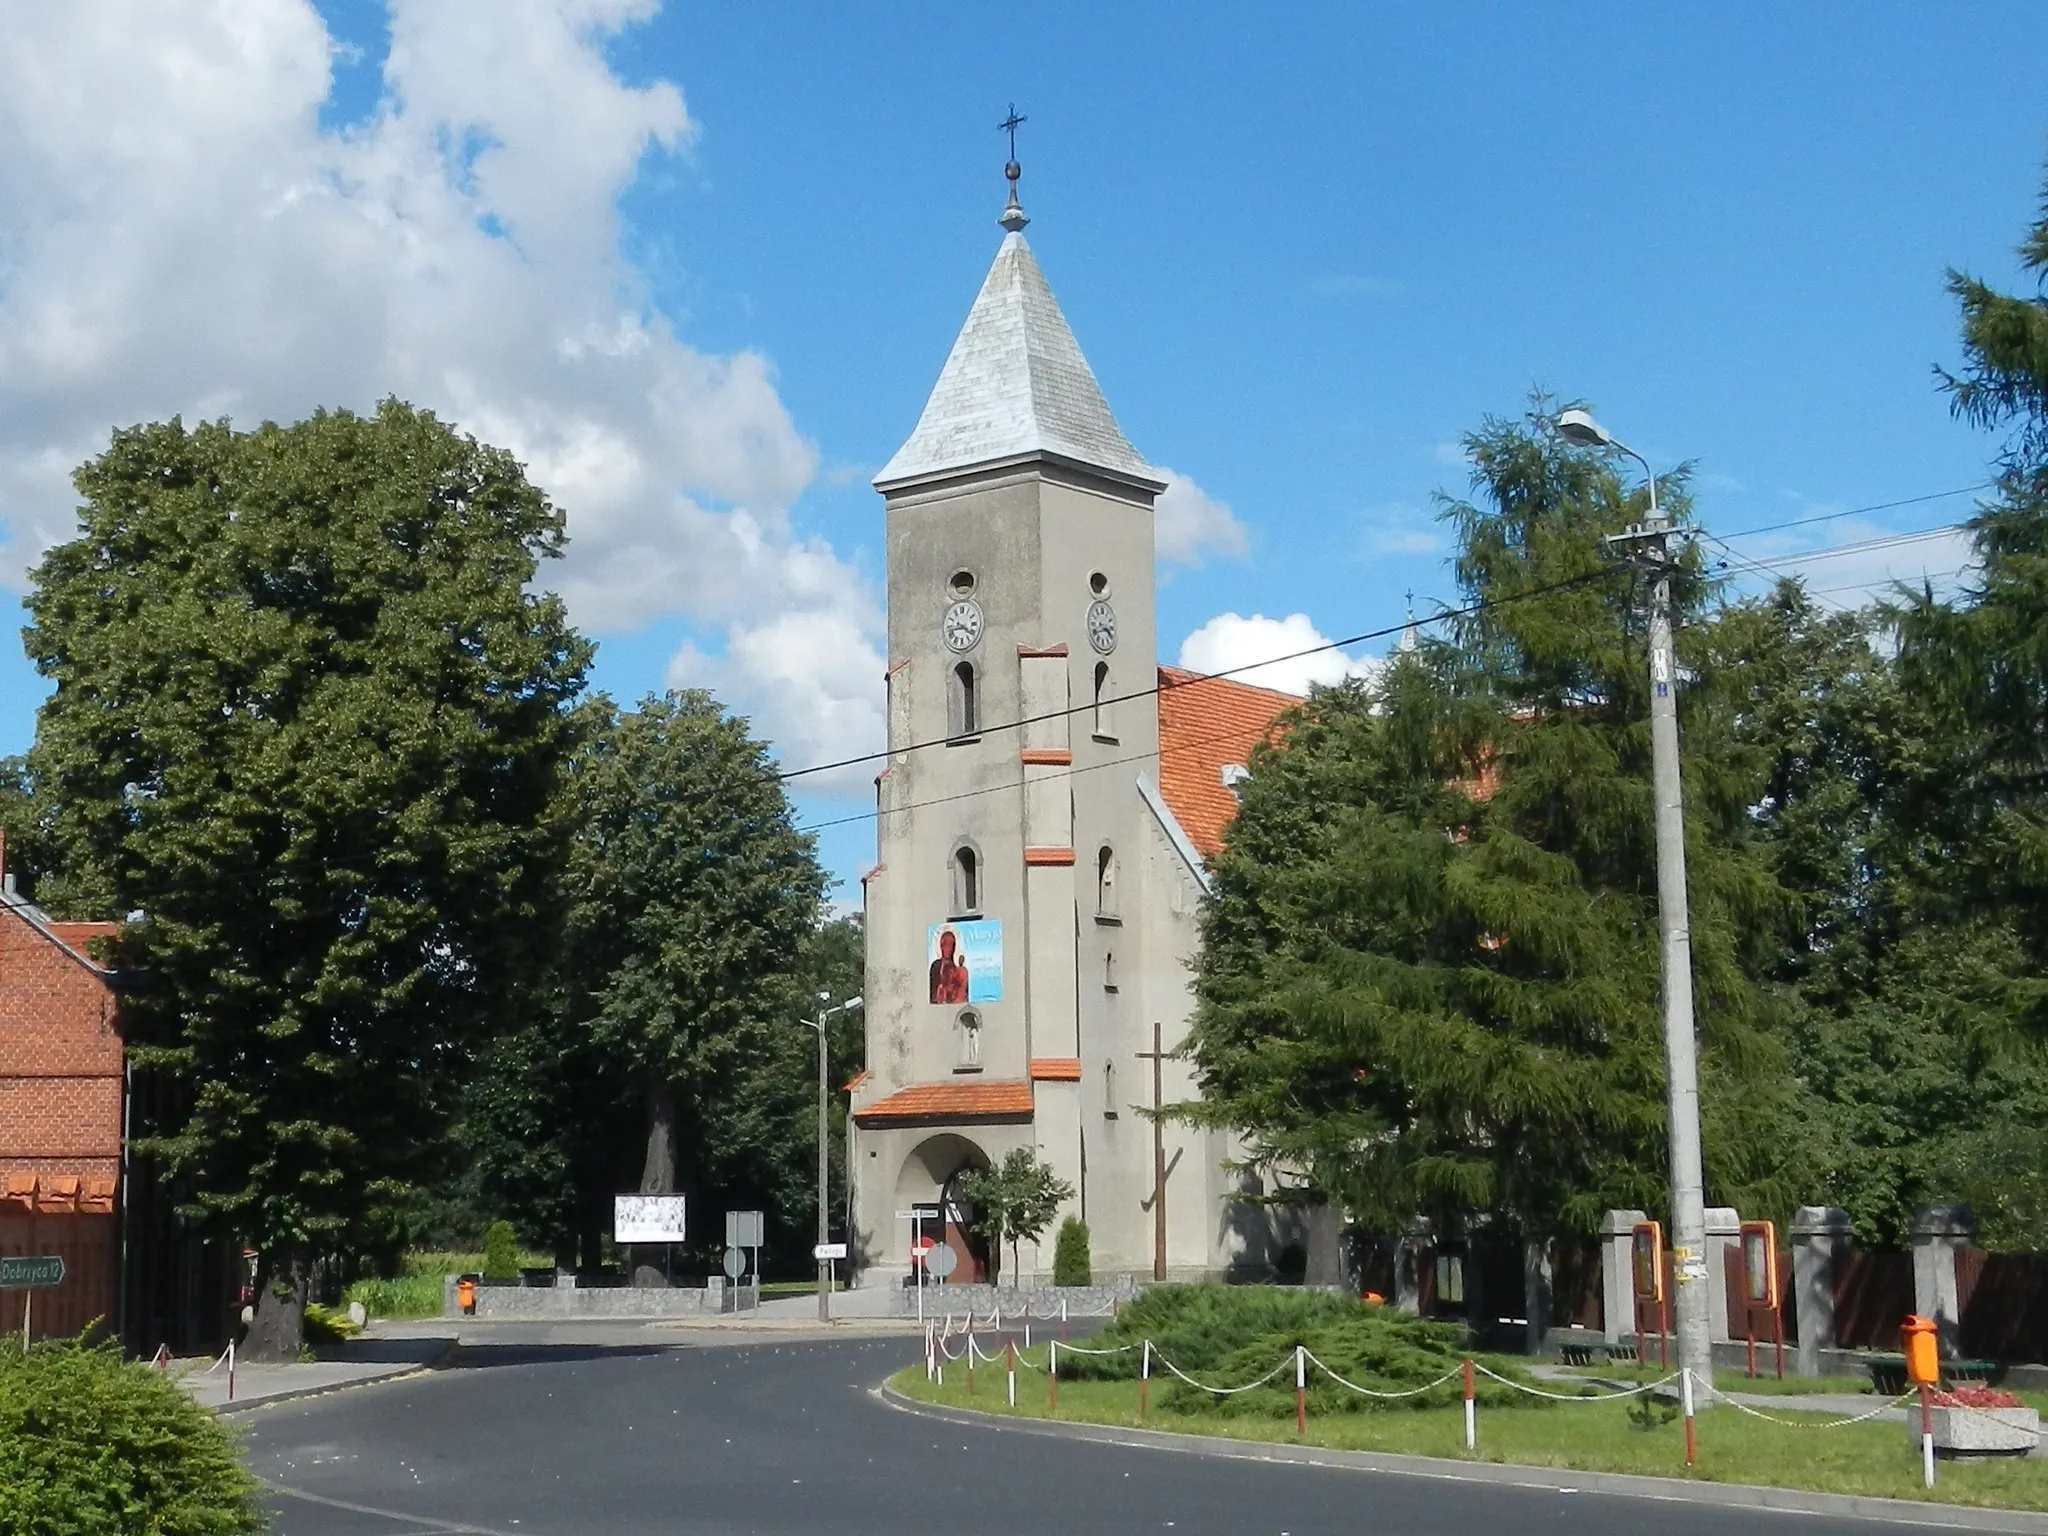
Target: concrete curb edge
(297,1394)
(1952,1517)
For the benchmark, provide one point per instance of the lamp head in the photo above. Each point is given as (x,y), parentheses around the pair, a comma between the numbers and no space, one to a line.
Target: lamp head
(1577,426)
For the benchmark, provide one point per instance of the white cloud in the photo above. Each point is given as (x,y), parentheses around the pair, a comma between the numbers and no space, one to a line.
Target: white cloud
(1230,641)
(1190,525)
(178,234)
(812,674)
(1399,529)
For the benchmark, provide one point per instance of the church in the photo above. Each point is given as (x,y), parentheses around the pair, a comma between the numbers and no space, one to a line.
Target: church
(1049,802)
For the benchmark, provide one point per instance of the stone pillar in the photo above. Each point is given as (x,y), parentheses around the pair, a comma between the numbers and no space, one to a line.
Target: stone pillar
(1724,1231)
(1536,1295)
(1938,1232)
(1322,1233)
(1408,1283)
(1617,1280)
(1820,1233)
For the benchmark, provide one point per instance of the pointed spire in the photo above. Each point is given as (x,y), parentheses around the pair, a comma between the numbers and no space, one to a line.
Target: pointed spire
(1411,633)
(1015,387)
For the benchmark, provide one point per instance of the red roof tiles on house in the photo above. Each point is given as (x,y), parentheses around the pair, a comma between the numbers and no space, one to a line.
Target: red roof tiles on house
(1205,724)
(78,937)
(939,1103)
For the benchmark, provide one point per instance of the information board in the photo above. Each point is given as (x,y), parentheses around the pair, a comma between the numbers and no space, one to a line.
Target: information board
(648,1219)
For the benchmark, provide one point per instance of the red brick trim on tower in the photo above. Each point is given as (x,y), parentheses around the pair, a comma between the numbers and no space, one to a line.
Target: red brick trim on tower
(1055,1069)
(1040,857)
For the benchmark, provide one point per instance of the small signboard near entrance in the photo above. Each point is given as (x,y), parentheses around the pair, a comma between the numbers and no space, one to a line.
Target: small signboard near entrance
(648,1219)
(21,1274)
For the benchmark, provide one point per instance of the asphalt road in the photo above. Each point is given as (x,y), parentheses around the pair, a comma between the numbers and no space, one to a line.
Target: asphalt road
(789,1438)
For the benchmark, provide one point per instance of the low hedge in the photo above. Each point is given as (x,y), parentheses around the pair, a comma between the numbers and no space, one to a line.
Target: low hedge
(1227,1335)
(91,1445)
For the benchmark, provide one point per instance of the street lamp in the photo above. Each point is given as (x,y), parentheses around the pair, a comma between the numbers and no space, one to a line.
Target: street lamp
(1648,546)
(824,1140)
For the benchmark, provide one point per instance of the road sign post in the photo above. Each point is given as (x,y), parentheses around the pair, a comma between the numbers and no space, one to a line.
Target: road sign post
(29,1274)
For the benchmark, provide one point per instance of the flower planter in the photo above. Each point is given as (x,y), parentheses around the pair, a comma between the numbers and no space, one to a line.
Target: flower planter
(1978,1431)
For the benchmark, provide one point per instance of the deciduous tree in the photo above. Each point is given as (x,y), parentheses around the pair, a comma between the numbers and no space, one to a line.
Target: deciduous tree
(308,717)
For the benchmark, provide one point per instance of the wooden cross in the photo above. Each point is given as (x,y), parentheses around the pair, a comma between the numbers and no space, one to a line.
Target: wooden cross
(1161,1168)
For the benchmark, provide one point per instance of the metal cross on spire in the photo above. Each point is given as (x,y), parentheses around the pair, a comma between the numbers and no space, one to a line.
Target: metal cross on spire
(1013,213)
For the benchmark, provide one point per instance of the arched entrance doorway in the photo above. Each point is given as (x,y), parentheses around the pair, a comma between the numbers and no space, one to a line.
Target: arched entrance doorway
(930,1182)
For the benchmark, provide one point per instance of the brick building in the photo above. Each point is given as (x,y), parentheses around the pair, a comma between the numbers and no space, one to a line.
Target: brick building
(67,1184)
(62,1063)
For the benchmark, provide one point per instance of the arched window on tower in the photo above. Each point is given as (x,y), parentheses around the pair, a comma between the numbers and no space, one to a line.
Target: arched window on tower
(963,708)
(1104,720)
(1109,1105)
(1105,882)
(967,1041)
(966,882)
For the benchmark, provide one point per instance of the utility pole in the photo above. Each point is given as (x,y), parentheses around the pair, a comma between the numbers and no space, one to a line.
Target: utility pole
(1648,548)
(824,1162)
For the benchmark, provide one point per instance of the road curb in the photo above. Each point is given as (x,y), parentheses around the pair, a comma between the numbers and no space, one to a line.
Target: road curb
(1951,1517)
(299,1394)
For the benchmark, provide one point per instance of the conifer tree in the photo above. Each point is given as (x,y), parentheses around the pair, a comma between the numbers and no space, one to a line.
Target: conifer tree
(1429,977)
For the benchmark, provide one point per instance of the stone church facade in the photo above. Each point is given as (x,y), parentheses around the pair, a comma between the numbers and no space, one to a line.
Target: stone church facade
(1050,798)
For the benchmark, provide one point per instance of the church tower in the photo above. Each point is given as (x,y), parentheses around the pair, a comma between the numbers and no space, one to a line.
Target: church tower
(1051,797)
(1020,582)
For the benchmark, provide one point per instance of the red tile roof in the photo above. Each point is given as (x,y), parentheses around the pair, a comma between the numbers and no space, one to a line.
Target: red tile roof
(1055,1069)
(1204,724)
(78,937)
(938,1103)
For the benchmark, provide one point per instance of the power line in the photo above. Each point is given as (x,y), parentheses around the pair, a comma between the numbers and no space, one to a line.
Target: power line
(1882,506)
(1145,693)
(1072,771)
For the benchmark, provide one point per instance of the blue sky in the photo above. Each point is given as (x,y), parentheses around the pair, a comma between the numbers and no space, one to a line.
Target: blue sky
(1305,249)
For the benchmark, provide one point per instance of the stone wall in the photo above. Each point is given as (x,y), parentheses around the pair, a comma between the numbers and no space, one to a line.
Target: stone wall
(543,1303)
(1042,1302)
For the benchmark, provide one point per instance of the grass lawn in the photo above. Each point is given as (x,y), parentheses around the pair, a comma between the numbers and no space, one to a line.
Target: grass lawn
(1873,1459)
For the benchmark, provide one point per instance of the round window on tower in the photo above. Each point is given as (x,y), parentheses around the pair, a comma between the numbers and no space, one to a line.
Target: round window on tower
(961,583)
(1098,583)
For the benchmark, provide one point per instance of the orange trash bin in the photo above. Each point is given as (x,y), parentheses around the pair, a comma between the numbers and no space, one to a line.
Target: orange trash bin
(1923,1351)
(465,1295)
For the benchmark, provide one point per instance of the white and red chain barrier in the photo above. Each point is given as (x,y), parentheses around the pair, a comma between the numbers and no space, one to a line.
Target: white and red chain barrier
(938,1352)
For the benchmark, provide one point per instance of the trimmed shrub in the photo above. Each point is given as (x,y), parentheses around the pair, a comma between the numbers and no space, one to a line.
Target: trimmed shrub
(325,1325)
(501,1254)
(1228,1335)
(1070,1253)
(91,1445)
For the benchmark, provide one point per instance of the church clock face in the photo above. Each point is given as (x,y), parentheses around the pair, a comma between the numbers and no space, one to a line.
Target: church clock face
(962,627)
(1102,628)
